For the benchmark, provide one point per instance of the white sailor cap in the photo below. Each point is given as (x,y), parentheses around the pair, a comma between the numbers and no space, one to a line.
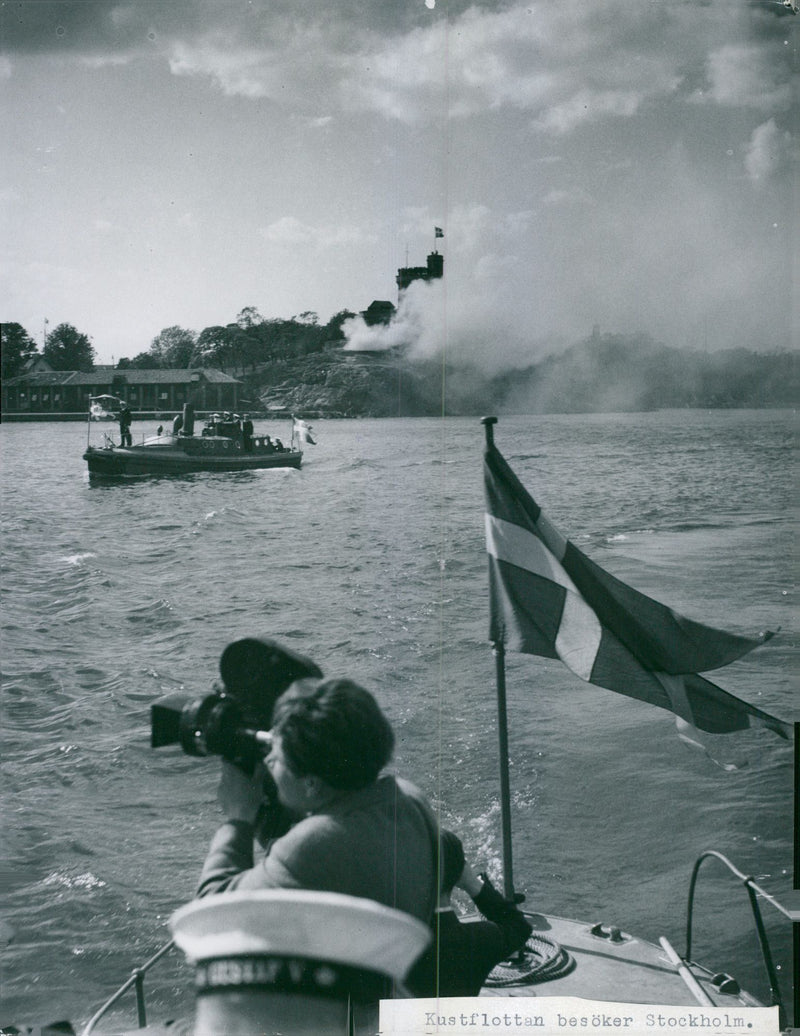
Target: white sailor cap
(294,940)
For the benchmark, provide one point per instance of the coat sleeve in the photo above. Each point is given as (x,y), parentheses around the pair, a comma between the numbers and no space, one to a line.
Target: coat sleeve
(230,855)
(295,860)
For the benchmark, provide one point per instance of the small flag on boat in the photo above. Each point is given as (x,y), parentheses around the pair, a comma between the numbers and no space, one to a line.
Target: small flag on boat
(548,598)
(438,232)
(302,431)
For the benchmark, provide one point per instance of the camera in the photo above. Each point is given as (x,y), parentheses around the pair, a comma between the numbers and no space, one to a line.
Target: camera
(233,720)
(212,725)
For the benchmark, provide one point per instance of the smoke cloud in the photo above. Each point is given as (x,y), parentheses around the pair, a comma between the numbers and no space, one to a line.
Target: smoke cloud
(439,319)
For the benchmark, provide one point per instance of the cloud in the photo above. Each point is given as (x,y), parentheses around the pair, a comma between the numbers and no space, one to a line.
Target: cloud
(764,152)
(291,231)
(293,68)
(565,65)
(747,76)
(589,106)
(559,197)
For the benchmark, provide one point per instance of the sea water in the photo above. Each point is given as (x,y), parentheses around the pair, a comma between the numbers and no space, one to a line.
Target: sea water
(371,560)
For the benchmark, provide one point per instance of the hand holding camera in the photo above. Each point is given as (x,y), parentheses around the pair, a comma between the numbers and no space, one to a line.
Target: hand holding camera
(240,797)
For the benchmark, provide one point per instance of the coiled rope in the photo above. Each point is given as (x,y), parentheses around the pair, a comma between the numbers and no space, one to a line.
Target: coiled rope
(540,960)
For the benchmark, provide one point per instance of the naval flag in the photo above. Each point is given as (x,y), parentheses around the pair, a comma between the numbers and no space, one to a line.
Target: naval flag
(438,232)
(547,598)
(101,407)
(302,431)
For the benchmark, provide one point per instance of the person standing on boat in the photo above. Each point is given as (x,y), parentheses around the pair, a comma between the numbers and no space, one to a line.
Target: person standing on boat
(125,418)
(247,433)
(463,955)
(361,832)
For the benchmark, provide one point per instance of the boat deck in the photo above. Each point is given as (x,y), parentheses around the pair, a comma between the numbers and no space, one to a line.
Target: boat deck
(613,966)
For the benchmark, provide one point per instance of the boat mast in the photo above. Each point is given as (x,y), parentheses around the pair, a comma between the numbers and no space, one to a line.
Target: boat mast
(499,651)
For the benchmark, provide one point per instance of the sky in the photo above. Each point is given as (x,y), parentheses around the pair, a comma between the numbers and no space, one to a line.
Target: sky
(625,164)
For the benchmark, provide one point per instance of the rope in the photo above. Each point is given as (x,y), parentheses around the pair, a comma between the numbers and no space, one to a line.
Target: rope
(540,960)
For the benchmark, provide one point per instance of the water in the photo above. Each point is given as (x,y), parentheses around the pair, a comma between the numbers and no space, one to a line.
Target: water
(371,560)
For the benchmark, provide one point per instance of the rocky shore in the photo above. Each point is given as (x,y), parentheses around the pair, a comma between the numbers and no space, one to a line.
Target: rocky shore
(606,373)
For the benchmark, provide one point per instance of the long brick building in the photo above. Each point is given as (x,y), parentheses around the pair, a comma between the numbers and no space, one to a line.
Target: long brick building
(42,392)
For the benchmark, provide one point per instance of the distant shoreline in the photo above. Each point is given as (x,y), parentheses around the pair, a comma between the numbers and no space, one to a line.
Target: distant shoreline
(159,415)
(138,415)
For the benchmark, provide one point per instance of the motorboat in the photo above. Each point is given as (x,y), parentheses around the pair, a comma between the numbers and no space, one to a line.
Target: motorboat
(221,446)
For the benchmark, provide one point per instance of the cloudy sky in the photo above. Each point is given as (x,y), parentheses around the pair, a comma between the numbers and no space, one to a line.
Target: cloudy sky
(626,163)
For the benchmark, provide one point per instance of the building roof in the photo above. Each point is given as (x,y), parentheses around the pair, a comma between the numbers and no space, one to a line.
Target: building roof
(43,378)
(36,363)
(106,376)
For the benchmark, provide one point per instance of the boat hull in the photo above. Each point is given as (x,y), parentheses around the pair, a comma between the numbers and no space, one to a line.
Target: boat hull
(175,455)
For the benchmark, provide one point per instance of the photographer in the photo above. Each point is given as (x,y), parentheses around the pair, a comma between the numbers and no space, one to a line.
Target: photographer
(361,833)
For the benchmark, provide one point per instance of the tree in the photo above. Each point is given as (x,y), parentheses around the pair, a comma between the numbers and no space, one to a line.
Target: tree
(221,347)
(66,349)
(16,348)
(141,362)
(173,347)
(334,326)
(212,347)
(248,317)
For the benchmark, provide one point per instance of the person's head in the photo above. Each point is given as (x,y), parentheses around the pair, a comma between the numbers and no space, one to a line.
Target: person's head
(327,735)
(451,861)
(300,961)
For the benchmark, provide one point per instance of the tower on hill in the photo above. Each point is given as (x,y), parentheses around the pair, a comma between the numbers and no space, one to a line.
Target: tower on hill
(432,272)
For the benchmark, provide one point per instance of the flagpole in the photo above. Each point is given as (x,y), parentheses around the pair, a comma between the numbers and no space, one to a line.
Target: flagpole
(499,651)
(505,785)
(796,867)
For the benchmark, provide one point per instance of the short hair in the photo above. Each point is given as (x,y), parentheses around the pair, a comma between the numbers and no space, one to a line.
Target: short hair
(451,861)
(335,730)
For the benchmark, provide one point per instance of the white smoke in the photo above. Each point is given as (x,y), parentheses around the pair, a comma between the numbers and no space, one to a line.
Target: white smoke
(416,325)
(467,320)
